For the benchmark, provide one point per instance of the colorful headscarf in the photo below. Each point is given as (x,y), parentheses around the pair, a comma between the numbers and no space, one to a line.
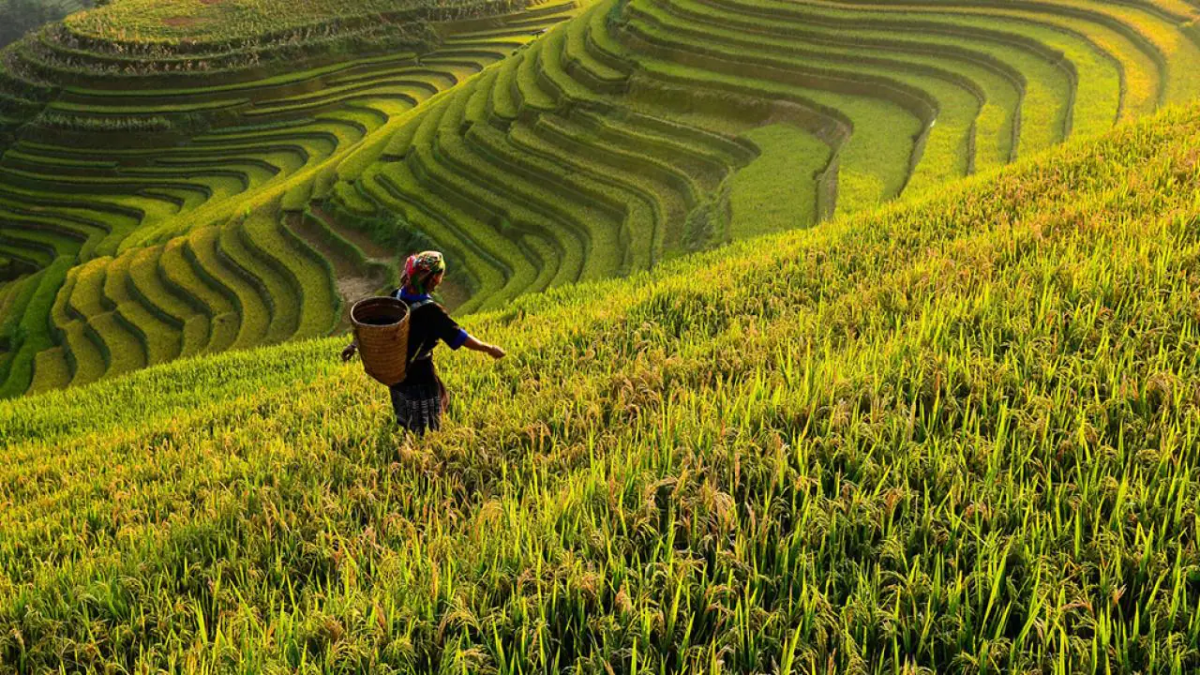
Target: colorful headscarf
(422,267)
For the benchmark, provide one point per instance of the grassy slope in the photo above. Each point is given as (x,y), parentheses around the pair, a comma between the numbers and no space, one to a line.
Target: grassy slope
(218,189)
(775,192)
(958,434)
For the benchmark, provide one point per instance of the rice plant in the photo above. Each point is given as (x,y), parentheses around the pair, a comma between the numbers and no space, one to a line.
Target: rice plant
(951,435)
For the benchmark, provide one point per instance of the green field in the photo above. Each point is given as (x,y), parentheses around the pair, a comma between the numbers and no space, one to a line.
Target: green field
(846,336)
(954,434)
(286,154)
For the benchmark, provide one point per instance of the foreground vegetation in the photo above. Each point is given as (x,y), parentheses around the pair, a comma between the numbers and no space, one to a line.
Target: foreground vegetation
(953,435)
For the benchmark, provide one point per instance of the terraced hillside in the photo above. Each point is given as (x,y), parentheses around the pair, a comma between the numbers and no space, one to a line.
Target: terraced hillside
(190,189)
(954,436)
(140,212)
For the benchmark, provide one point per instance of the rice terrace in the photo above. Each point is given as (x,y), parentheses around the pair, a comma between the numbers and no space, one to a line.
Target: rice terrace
(829,336)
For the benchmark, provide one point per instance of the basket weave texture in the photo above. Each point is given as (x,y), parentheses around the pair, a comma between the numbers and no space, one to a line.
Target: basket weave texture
(381,330)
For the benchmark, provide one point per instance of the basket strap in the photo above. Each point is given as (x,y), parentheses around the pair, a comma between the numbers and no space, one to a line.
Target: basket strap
(412,307)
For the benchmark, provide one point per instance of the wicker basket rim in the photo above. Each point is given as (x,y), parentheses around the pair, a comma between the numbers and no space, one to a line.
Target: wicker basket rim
(378,300)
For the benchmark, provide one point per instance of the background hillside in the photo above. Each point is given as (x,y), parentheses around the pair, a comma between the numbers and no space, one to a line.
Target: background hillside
(18,17)
(185,178)
(955,434)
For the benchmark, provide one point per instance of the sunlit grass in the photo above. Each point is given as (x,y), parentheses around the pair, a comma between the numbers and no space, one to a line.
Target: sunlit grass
(955,435)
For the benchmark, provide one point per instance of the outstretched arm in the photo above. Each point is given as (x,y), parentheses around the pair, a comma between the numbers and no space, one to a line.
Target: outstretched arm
(491,350)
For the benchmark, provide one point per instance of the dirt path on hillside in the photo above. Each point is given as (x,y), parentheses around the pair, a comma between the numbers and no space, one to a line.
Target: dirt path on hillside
(374,251)
(453,293)
(352,282)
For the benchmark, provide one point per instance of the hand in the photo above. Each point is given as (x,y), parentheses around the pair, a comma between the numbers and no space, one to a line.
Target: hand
(497,352)
(349,352)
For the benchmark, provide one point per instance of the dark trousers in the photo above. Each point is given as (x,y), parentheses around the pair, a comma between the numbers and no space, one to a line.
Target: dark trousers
(419,407)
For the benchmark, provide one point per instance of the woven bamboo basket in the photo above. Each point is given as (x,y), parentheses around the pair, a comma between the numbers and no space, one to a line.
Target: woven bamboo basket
(381,330)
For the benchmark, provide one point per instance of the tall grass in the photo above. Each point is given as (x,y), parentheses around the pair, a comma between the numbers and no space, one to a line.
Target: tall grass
(958,435)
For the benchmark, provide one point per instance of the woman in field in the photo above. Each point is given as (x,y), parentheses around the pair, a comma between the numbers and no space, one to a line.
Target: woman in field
(420,399)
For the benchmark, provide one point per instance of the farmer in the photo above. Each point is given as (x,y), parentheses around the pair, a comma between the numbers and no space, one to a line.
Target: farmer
(420,399)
